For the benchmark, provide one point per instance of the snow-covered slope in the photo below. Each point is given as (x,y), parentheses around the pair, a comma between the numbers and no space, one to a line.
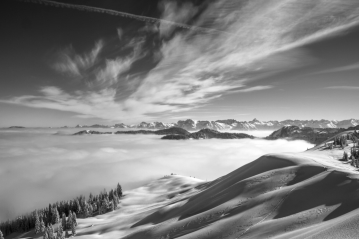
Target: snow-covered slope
(310,194)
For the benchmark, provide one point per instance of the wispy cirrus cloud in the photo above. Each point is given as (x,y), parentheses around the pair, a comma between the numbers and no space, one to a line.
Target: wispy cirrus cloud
(342,87)
(119,33)
(76,65)
(173,12)
(88,103)
(195,67)
(254,88)
(351,67)
(98,72)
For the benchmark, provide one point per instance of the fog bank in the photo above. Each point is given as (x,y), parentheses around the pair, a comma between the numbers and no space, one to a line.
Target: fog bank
(38,168)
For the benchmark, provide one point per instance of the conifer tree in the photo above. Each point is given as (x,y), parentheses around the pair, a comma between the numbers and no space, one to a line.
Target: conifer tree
(69,220)
(85,210)
(119,190)
(50,231)
(90,210)
(42,225)
(1,235)
(55,216)
(37,223)
(49,214)
(114,203)
(99,207)
(104,205)
(63,220)
(67,233)
(60,232)
(115,192)
(46,236)
(110,195)
(78,207)
(74,218)
(73,228)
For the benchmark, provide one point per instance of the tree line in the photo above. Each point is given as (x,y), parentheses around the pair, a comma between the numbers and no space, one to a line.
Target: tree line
(42,219)
(354,150)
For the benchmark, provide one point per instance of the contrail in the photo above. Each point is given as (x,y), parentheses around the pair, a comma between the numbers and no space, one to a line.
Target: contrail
(122,14)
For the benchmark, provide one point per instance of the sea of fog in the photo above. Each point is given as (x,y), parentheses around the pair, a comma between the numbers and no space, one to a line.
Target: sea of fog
(38,167)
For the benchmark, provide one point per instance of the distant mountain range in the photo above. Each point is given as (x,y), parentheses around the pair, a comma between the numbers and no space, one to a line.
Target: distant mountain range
(176,133)
(231,124)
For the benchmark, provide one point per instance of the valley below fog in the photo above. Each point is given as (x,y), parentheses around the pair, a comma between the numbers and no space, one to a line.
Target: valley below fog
(38,167)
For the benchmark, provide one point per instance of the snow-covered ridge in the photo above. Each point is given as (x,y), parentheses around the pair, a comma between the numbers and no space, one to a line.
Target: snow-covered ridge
(232,124)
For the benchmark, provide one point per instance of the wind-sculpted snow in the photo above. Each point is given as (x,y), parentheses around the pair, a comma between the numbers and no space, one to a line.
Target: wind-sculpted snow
(277,195)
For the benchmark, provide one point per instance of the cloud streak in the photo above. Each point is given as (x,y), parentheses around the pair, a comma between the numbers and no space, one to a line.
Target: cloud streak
(254,88)
(351,67)
(172,12)
(342,87)
(75,65)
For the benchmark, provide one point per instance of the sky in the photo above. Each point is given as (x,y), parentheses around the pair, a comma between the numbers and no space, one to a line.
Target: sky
(165,60)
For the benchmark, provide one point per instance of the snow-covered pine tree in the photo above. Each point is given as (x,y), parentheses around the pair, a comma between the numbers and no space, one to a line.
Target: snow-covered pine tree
(90,210)
(37,223)
(60,232)
(73,228)
(78,207)
(119,190)
(112,206)
(67,233)
(69,220)
(55,216)
(42,225)
(46,235)
(63,220)
(50,231)
(114,203)
(74,218)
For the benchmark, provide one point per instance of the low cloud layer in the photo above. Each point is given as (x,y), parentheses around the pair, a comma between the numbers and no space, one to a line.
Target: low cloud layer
(37,168)
(231,45)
